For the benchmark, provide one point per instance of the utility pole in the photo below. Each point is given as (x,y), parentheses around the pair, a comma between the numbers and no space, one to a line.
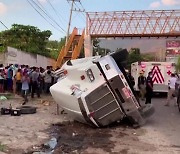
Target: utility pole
(70,17)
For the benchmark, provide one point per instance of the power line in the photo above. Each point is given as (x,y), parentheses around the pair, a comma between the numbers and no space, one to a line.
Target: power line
(43,16)
(58,14)
(81,11)
(78,10)
(82,6)
(46,13)
(51,6)
(3,24)
(75,16)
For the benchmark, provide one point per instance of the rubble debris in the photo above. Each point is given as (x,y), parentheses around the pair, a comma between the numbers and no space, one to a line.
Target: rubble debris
(51,144)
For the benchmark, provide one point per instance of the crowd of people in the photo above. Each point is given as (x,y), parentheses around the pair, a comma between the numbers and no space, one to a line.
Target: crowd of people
(22,79)
(26,80)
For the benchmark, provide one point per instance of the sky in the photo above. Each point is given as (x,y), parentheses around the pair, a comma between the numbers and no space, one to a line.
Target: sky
(21,12)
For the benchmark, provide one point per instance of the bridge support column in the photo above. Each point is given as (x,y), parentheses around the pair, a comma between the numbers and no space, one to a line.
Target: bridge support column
(88,46)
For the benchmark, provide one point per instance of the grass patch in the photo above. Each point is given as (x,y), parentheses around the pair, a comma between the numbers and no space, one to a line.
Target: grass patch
(7,95)
(2,147)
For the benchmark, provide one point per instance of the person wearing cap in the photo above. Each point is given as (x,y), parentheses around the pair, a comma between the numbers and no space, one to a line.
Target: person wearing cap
(142,85)
(171,91)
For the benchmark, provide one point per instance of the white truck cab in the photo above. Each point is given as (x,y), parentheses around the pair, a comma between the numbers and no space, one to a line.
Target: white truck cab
(95,91)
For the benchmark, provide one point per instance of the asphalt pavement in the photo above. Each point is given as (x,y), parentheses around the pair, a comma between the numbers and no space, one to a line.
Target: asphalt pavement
(163,128)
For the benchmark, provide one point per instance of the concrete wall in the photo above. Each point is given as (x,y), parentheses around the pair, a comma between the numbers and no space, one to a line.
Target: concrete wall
(14,56)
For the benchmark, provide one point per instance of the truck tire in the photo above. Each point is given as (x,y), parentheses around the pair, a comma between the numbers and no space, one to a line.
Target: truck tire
(27,109)
(147,110)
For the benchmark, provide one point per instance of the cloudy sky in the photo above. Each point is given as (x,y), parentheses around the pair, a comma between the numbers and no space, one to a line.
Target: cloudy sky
(22,12)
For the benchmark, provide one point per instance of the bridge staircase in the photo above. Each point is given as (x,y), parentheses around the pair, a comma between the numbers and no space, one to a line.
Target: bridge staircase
(72,48)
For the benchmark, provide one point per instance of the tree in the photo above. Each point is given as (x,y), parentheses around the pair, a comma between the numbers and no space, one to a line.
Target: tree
(55,47)
(134,56)
(148,57)
(98,50)
(26,38)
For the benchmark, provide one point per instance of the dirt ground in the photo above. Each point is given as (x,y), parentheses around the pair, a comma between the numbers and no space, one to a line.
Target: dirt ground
(19,133)
(119,138)
(27,133)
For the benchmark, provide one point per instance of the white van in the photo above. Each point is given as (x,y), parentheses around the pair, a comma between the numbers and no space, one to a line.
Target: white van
(161,72)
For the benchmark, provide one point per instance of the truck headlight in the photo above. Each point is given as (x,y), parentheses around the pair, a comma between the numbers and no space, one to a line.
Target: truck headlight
(90,75)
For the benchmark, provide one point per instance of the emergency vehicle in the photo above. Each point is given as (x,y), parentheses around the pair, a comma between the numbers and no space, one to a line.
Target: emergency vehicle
(96,91)
(161,73)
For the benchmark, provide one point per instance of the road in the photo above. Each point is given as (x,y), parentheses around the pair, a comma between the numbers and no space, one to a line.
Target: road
(162,129)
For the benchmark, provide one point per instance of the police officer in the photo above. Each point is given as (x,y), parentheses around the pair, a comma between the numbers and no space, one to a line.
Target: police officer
(149,88)
(142,85)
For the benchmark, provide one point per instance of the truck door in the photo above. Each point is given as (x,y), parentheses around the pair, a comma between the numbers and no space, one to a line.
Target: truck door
(158,77)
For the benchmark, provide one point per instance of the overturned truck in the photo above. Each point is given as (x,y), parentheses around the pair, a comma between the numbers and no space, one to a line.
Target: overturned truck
(97,91)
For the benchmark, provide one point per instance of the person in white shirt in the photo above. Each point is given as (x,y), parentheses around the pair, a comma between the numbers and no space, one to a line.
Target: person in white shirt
(25,86)
(47,79)
(171,91)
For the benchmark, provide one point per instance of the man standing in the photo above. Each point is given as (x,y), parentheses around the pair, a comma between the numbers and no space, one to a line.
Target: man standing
(171,90)
(25,86)
(149,88)
(10,79)
(18,78)
(47,79)
(35,82)
(142,85)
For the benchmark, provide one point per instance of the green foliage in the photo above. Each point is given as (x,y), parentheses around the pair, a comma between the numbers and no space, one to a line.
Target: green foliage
(134,56)
(148,57)
(98,50)
(2,147)
(26,38)
(178,65)
(55,47)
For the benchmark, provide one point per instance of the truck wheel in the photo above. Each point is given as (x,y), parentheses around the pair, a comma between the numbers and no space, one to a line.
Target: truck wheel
(27,109)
